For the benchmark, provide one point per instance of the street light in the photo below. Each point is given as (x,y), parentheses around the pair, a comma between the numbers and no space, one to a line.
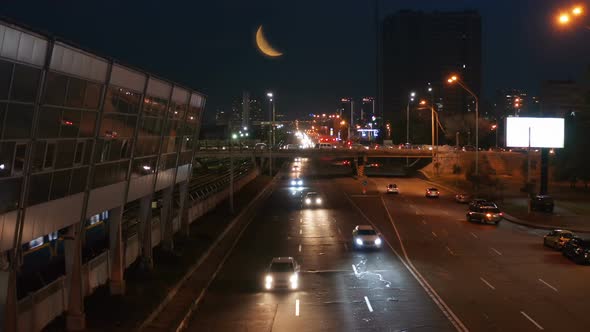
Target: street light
(495,128)
(565,18)
(455,79)
(271,115)
(412,96)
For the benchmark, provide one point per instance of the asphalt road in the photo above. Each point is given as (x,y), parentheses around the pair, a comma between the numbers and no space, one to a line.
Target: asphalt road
(340,289)
(437,272)
(495,278)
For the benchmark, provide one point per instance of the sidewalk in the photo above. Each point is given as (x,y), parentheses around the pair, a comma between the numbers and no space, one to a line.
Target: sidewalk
(146,290)
(572,207)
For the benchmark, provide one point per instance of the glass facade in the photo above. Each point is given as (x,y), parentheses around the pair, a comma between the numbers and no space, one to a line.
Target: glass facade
(70,122)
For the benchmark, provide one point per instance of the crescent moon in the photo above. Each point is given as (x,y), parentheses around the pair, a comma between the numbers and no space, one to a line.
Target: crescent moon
(264,46)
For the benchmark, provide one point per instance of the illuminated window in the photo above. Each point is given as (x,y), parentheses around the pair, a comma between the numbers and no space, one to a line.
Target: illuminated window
(36,243)
(53,236)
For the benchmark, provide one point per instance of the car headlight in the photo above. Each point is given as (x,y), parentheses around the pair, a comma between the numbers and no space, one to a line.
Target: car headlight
(307,201)
(268,279)
(300,183)
(489,215)
(293,278)
(293,182)
(318,201)
(359,242)
(378,242)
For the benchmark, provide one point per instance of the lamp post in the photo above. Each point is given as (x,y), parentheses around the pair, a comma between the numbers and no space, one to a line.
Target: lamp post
(455,79)
(569,17)
(495,128)
(271,118)
(412,96)
(433,112)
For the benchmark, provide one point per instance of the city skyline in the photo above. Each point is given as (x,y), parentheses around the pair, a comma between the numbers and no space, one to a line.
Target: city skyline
(339,57)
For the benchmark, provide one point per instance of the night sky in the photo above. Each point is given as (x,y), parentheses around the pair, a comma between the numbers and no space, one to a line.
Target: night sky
(329,45)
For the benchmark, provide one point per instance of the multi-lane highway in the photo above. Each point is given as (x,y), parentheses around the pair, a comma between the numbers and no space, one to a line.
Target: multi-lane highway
(435,272)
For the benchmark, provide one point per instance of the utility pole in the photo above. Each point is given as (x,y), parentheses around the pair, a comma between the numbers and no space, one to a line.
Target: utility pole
(231,172)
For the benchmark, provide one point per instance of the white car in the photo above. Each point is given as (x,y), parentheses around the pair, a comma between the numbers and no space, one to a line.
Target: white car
(432,193)
(283,272)
(392,189)
(296,182)
(312,199)
(558,238)
(365,236)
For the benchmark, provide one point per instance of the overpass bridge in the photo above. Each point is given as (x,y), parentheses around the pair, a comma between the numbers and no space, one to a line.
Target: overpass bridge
(224,152)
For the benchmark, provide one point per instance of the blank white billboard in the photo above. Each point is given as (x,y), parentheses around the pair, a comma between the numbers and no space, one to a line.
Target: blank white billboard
(545,132)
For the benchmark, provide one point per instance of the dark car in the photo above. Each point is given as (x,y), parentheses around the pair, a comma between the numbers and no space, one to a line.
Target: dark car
(480,201)
(542,203)
(487,214)
(578,250)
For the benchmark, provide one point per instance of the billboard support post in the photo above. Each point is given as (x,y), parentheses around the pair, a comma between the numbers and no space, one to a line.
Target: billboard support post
(544,171)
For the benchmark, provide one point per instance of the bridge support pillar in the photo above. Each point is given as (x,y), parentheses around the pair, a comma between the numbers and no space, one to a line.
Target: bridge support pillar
(117,251)
(183,208)
(166,219)
(75,317)
(145,232)
(8,301)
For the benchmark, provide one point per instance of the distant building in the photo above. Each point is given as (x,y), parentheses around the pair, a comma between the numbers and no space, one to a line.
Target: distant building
(513,102)
(560,98)
(421,48)
(221,117)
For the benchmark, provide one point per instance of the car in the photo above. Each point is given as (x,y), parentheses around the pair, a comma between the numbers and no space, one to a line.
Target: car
(392,188)
(295,168)
(557,238)
(260,146)
(542,203)
(480,201)
(365,236)
(432,193)
(283,272)
(463,198)
(297,182)
(578,250)
(312,199)
(468,148)
(485,214)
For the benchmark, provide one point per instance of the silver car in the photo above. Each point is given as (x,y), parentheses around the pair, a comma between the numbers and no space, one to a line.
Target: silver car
(365,236)
(283,272)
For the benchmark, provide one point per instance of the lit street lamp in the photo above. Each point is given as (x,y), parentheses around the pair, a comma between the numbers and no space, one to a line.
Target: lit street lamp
(412,96)
(455,79)
(495,128)
(566,18)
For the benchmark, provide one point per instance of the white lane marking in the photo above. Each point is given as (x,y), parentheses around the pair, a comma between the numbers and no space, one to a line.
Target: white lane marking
(487,283)
(434,234)
(301,220)
(532,320)
(299,248)
(368,304)
(297,307)
(447,213)
(417,212)
(473,234)
(354,269)
(365,196)
(440,303)
(547,284)
(300,231)
(450,251)
(424,222)
(496,251)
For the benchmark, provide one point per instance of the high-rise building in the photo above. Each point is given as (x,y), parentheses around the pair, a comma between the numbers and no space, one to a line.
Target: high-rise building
(562,97)
(512,102)
(421,48)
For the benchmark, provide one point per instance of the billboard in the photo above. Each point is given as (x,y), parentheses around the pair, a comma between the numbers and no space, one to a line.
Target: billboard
(545,132)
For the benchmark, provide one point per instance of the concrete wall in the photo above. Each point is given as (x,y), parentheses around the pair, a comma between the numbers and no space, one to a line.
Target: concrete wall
(41,307)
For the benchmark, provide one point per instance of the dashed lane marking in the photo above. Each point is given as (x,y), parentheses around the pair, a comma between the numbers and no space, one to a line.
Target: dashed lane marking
(496,251)
(532,320)
(487,283)
(368,304)
(547,284)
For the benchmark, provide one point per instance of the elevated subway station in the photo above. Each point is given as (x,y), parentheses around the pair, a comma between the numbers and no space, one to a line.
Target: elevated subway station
(95,164)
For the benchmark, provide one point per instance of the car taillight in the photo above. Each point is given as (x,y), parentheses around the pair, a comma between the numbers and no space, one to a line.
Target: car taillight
(501,214)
